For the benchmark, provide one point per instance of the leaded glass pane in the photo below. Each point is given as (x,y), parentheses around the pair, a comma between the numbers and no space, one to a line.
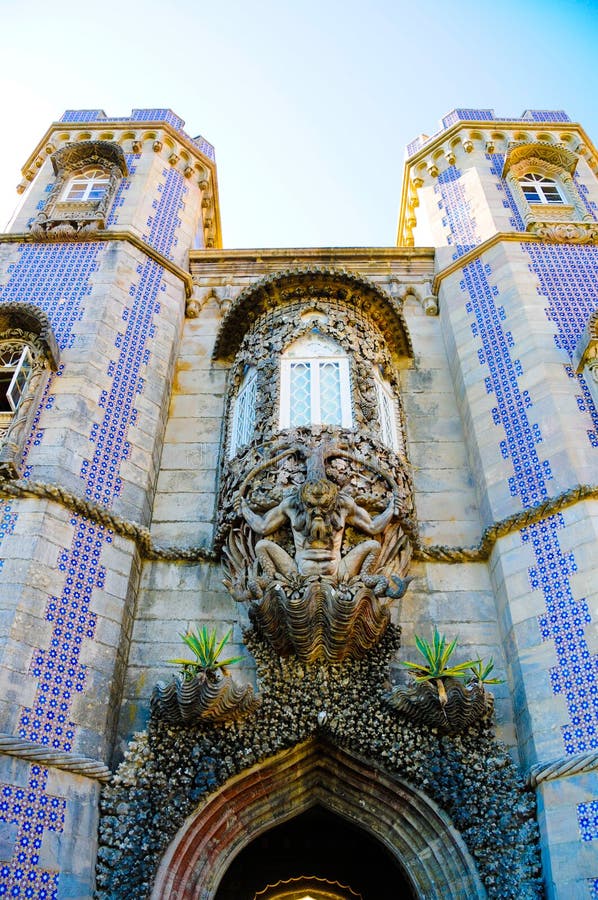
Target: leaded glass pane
(330,394)
(300,391)
(244,416)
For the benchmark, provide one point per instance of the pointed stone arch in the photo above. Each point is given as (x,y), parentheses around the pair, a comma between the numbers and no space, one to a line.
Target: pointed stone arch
(412,827)
(316,283)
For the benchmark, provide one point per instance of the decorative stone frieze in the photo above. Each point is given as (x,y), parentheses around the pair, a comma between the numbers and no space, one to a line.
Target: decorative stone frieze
(566,232)
(532,152)
(315,544)
(318,287)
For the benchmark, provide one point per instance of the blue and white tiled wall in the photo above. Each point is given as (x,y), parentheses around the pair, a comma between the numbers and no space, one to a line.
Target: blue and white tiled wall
(59,279)
(568,292)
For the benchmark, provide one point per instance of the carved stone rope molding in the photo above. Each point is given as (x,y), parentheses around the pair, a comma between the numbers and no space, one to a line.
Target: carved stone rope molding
(57,759)
(149,550)
(106,518)
(580,764)
(515,522)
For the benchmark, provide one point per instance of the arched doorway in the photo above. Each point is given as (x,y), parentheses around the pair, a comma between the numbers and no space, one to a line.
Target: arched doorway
(350,862)
(426,851)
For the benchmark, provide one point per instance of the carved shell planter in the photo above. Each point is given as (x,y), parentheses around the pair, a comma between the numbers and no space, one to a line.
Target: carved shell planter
(206,696)
(318,621)
(464,705)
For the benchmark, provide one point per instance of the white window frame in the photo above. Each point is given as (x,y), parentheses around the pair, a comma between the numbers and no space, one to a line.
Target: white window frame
(387,413)
(243,424)
(315,361)
(538,183)
(20,378)
(86,181)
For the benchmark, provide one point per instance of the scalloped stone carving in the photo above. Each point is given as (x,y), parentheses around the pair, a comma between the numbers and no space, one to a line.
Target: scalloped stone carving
(465,704)
(185,700)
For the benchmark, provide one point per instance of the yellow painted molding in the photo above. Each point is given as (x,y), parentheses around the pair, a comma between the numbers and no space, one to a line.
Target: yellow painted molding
(445,137)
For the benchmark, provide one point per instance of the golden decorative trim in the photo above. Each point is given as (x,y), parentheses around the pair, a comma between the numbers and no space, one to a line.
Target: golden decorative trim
(447,137)
(21,489)
(126,237)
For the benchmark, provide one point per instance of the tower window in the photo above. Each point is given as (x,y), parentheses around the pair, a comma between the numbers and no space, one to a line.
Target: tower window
(314,385)
(16,365)
(387,413)
(540,189)
(244,412)
(86,186)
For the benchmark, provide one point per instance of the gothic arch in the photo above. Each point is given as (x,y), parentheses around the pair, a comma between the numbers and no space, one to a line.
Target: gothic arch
(416,832)
(313,284)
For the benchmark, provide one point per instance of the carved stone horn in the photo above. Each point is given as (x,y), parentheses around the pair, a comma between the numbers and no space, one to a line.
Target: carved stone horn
(316,470)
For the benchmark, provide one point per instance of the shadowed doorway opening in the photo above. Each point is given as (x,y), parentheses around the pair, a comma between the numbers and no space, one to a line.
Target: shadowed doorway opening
(322,844)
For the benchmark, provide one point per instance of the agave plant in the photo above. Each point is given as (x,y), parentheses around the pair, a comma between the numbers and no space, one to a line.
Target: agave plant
(436,666)
(481,672)
(206,648)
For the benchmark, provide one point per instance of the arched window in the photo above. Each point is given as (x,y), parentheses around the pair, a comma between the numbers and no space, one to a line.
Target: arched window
(540,189)
(387,413)
(314,384)
(244,412)
(28,352)
(16,364)
(87,186)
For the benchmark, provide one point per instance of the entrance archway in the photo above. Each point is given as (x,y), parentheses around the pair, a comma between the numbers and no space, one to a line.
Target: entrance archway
(419,836)
(350,862)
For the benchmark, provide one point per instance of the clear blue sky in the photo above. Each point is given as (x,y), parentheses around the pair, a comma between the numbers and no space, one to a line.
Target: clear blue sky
(309,104)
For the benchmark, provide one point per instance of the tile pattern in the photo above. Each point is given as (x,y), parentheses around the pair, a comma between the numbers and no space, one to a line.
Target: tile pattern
(497,161)
(163,225)
(567,277)
(471,115)
(87,116)
(563,277)
(121,191)
(587,817)
(33,811)
(57,277)
(584,193)
(458,218)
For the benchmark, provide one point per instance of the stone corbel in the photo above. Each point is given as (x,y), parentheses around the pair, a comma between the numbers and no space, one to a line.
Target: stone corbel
(424,296)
